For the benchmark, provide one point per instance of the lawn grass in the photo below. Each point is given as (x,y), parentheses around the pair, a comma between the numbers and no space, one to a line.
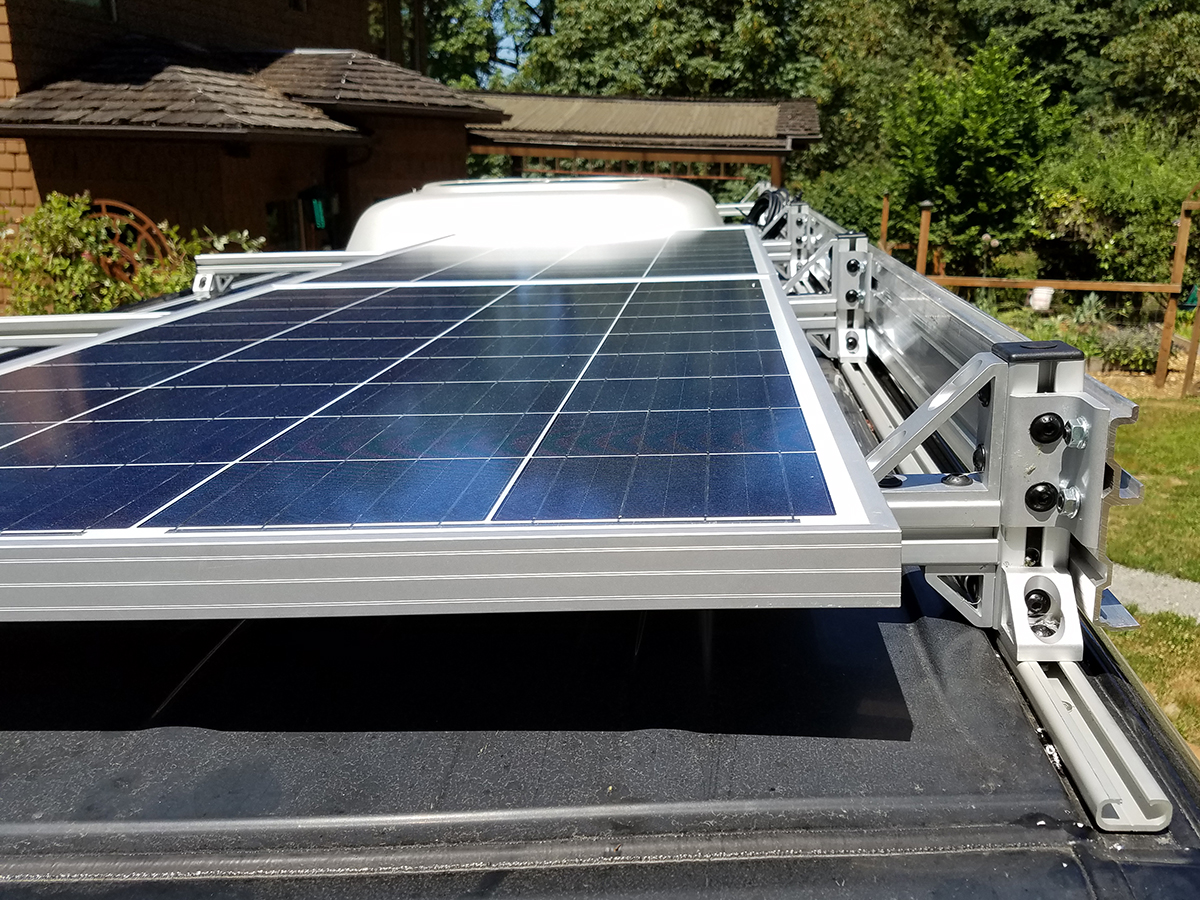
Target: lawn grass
(1165,653)
(1161,534)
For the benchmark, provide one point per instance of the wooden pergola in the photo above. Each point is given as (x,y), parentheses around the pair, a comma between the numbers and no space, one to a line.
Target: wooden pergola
(692,139)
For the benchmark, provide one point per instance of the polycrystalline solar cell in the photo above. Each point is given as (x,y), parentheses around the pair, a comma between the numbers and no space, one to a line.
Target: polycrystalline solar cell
(407,265)
(344,492)
(500,265)
(172,441)
(627,260)
(705,252)
(74,498)
(428,404)
(734,485)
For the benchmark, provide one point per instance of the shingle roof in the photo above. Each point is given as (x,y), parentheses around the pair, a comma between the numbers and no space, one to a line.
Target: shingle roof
(145,84)
(354,78)
(766,125)
(152,85)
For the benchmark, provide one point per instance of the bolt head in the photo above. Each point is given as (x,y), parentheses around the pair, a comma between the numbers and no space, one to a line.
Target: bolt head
(957,480)
(1038,602)
(979,458)
(852,342)
(1047,428)
(1042,497)
(854,266)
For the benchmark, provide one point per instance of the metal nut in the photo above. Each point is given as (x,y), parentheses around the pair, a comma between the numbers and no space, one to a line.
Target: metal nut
(1077,433)
(1069,500)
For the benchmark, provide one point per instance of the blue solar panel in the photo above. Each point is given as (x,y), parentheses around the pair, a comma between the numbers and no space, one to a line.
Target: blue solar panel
(428,403)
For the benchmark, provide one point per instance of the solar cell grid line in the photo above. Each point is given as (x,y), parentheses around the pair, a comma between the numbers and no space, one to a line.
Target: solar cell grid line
(92,409)
(408,264)
(662,434)
(714,252)
(436,255)
(491,515)
(352,390)
(423,416)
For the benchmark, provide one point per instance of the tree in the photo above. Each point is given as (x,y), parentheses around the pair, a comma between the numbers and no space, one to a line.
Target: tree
(672,48)
(972,142)
(1108,200)
(1158,69)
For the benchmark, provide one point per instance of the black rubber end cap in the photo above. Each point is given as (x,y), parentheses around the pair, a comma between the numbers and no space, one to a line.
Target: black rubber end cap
(1036,351)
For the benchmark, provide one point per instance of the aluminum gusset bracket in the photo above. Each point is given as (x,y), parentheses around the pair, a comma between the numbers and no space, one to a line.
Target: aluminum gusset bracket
(210,284)
(804,269)
(927,418)
(1040,620)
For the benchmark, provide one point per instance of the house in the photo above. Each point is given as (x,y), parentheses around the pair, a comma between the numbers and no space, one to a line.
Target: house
(220,114)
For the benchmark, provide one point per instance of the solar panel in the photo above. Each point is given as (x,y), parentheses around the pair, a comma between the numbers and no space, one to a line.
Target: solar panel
(476,428)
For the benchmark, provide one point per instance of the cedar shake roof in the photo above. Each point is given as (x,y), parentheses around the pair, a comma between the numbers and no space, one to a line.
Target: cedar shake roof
(547,120)
(155,86)
(152,86)
(354,78)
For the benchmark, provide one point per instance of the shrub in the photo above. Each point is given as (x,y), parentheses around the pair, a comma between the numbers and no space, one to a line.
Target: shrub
(1132,349)
(61,259)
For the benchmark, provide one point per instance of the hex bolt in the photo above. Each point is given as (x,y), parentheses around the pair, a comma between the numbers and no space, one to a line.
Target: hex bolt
(1069,500)
(979,457)
(1038,602)
(853,266)
(1042,497)
(957,480)
(853,297)
(852,342)
(1077,433)
(1047,428)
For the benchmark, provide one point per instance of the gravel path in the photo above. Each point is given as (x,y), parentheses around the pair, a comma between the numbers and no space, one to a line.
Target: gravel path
(1156,593)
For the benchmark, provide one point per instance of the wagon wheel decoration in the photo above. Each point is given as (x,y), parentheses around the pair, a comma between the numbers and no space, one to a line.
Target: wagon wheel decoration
(136,239)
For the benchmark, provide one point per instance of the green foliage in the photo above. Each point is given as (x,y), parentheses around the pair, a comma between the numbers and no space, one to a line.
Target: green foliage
(972,141)
(1162,533)
(1108,199)
(1090,311)
(1158,67)
(58,260)
(664,48)
(1131,349)
(1165,654)
(1060,39)
(852,195)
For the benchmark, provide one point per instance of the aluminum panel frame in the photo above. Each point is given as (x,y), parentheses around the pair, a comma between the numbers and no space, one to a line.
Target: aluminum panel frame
(851,558)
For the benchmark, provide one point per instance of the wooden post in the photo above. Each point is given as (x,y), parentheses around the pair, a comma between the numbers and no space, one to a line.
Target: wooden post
(777,171)
(883,223)
(1168,331)
(1191,360)
(923,239)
